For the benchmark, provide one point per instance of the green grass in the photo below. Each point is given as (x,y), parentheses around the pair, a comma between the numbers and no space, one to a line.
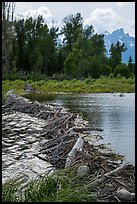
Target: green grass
(101,85)
(9,191)
(62,186)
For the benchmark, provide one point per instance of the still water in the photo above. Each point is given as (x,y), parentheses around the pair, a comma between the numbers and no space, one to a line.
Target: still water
(113,112)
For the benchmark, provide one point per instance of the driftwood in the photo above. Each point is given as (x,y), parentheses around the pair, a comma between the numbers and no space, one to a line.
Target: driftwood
(77,129)
(71,155)
(106,175)
(117,170)
(63,146)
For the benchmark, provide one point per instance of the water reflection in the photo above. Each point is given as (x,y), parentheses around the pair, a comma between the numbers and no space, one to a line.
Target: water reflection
(40,97)
(109,111)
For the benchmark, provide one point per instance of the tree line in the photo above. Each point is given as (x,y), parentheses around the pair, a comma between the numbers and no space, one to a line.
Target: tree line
(30,46)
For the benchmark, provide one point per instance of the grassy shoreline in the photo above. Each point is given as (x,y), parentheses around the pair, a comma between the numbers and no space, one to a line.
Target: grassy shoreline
(63,185)
(89,85)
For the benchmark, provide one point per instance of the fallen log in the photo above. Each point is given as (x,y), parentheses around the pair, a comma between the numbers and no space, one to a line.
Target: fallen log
(106,175)
(117,170)
(63,146)
(78,129)
(57,121)
(68,135)
(71,155)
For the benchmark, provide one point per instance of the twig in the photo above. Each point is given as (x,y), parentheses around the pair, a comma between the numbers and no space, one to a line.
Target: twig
(117,198)
(120,182)
(86,152)
(117,170)
(77,129)
(103,178)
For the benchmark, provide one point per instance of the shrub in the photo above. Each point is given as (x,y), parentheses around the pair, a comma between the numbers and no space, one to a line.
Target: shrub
(122,69)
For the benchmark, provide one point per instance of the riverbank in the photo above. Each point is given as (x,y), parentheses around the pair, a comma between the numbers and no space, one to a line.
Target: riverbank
(89,85)
(105,173)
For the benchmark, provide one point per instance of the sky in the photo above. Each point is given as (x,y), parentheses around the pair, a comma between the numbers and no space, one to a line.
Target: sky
(103,16)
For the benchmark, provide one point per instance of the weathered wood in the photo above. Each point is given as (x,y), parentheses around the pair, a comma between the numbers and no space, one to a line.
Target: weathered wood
(117,170)
(78,129)
(62,145)
(123,184)
(106,175)
(56,121)
(71,155)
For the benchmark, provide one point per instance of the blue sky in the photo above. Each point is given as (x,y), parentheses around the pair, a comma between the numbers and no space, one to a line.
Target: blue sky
(104,16)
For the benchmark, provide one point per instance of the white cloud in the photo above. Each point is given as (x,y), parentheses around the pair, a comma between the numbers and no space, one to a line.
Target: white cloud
(107,19)
(103,14)
(102,18)
(44,11)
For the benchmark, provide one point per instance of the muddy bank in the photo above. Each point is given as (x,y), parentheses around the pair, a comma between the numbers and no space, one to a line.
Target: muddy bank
(47,135)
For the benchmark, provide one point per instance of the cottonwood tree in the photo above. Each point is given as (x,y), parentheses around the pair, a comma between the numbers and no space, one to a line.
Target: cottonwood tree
(122,70)
(35,46)
(87,56)
(130,65)
(71,29)
(8,9)
(116,54)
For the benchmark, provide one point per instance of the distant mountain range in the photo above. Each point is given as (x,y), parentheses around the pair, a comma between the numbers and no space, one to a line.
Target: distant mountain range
(119,35)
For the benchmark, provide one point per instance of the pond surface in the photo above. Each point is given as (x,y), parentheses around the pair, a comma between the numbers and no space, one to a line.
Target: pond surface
(113,112)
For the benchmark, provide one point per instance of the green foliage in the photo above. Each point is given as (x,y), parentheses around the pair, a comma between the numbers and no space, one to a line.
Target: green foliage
(111,75)
(41,190)
(89,80)
(35,53)
(8,36)
(71,29)
(122,69)
(9,191)
(62,186)
(88,85)
(88,31)
(98,45)
(94,67)
(116,54)
(131,66)
(106,70)
(71,63)
(86,58)
(60,77)
(34,47)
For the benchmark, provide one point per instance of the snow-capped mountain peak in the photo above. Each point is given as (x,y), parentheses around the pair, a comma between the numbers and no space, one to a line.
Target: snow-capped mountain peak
(119,35)
(106,33)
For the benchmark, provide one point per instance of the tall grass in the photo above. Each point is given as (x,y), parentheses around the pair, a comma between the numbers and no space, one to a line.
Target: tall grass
(61,186)
(89,85)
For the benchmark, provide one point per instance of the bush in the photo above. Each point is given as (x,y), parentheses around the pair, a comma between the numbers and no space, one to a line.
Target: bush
(106,69)
(111,75)
(122,69)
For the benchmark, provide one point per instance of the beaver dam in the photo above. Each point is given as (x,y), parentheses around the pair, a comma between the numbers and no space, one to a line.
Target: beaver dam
(38,139)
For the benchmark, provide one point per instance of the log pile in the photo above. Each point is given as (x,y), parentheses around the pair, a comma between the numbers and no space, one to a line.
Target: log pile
(60,131)
(66,146)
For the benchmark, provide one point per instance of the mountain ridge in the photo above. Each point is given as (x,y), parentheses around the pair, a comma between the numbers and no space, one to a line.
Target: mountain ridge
(122,37)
